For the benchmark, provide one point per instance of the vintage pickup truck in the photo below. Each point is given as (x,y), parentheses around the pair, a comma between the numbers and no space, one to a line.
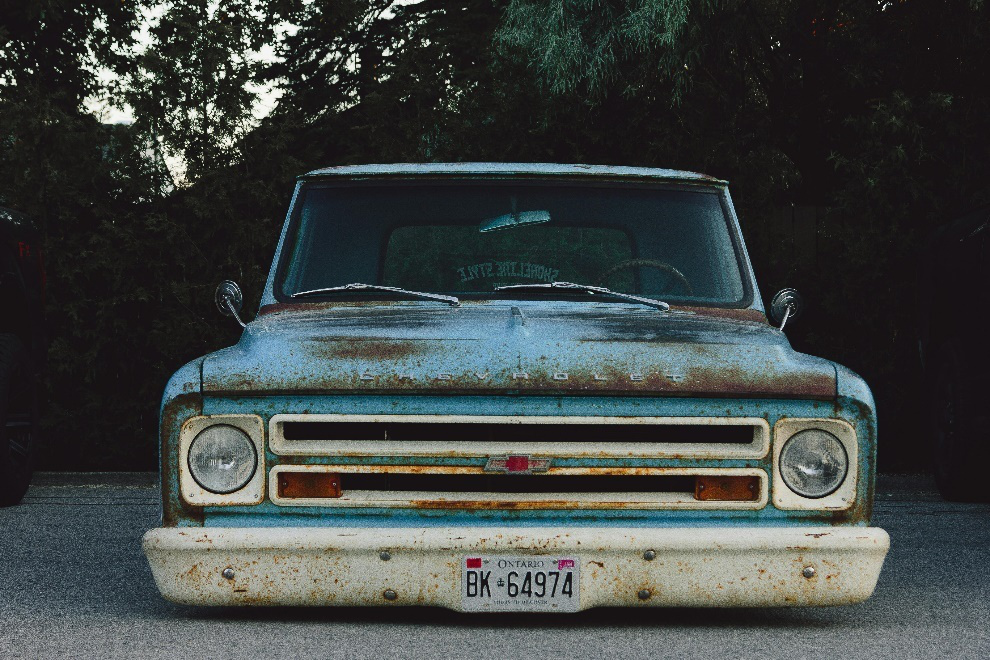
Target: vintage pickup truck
(514,387)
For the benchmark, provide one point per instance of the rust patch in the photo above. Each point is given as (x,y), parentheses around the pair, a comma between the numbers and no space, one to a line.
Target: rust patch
(751,315)
(497,504)
(278,308)
(308,485)
(174,413)
(863,411)
(707,375)
(728,488)
(364,349)
(734,380)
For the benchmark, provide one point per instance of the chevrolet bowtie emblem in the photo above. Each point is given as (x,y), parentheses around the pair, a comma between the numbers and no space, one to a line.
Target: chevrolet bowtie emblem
(517,464)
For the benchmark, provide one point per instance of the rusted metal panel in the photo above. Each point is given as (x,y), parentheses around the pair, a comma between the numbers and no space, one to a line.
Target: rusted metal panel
(854,405)
(182,400)
(563,348)
(558,500)
(696,567)
(749,315)
(301,485)
(722,488)
(569,360)
(174,413)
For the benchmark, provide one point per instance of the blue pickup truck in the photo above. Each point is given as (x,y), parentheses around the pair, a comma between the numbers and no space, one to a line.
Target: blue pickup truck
(514,387)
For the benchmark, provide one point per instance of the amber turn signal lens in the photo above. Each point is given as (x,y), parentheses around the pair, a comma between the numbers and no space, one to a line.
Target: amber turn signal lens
(726,489)
(309,485)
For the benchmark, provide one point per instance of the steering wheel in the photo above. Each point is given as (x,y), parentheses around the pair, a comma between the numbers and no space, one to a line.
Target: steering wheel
(648,263)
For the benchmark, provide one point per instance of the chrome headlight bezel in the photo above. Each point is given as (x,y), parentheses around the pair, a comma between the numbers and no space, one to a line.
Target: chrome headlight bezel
(844,496)
(252,492)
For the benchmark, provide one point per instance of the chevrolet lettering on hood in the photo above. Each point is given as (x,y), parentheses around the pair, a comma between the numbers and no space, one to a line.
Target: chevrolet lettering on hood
(558,376)
(515,387)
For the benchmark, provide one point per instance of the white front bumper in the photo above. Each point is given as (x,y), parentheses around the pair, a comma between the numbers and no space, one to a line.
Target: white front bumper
(754,566)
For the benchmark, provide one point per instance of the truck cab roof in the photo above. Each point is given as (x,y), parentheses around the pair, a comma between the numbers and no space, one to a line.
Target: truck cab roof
(499,170)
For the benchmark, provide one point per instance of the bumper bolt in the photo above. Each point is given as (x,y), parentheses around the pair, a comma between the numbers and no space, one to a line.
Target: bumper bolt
(384,555)
(650,555)
(227,573)
(809,572)
(390,595)
(644,594)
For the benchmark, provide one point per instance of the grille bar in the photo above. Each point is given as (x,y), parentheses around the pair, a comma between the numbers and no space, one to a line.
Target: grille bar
(436,487)
(477,436)
(501,483)
(402,431)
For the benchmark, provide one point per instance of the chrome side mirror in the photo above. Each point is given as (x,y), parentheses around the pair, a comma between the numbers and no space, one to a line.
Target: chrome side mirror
(229,300)
(786,305)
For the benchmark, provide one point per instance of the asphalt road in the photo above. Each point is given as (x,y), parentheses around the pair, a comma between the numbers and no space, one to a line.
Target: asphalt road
(74,583)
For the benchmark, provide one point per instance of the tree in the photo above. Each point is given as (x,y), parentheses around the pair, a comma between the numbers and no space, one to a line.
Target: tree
(869,111)
(191,88)
(872,113)
(387,81)
(48,59)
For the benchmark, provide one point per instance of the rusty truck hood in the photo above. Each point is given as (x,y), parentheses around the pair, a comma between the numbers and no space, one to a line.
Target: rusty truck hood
(555,348)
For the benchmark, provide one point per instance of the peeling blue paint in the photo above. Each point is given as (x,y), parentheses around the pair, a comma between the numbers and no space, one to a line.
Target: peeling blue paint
(572,358)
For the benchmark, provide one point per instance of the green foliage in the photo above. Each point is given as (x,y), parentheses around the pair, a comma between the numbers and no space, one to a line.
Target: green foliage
(48,50)
(377,82)
(873,113)
(589,45)
(130,272)
(190,90)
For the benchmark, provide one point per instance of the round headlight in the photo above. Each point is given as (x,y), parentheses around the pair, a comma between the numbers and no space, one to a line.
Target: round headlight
(813,463)
(222,459)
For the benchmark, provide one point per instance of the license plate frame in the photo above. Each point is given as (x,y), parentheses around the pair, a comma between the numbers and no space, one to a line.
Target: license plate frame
(520,583)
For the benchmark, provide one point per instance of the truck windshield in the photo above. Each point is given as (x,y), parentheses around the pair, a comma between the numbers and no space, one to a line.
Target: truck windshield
(467,239)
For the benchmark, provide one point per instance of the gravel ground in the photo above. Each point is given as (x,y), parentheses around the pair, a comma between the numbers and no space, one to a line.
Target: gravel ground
(74,583)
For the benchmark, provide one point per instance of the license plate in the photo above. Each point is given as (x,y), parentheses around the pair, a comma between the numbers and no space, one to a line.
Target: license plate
(520,584)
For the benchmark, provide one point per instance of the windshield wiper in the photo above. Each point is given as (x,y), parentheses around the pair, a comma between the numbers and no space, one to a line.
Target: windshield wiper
(658,304)
(357,286)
